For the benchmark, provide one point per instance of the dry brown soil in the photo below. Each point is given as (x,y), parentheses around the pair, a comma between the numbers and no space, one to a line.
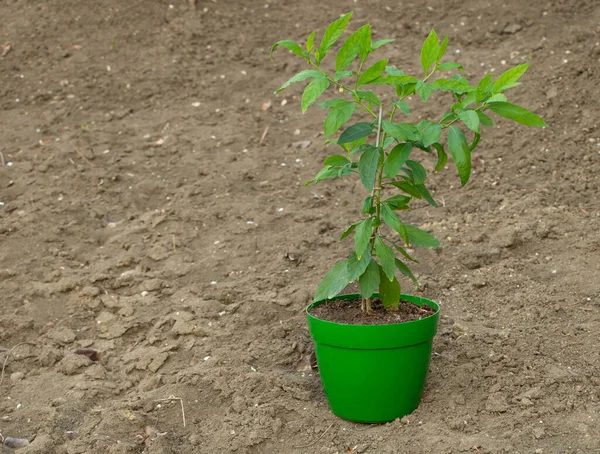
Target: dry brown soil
(142,217)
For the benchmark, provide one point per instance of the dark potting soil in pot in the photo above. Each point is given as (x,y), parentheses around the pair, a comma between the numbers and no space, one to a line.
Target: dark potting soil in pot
(349,311)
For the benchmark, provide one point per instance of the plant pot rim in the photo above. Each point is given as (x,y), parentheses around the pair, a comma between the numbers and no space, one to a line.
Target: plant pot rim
(410,298)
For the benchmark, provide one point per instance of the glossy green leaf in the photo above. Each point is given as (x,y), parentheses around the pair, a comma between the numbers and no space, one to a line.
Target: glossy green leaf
(313,91)
(442,157)
(337,117)
(355,132)
(431,134)
(484,119)
(509,78)
(470,119)
(301,76)
(362,148)
(372,73)
(421,238)
(426,195)
(498,97)
(397,202)
(350,48)
(364,229)
(349,230)
(408,188)
(396,159)
(331,35)
(368,207)
(367,167)
(289,45)
(403,106)
(364,43)
(324,174)
(430,51)
(336,160)
(310,42)
(402,251)
(484,88)
(394,222)
(442,50)
(517,113)
(369,96)
(400,131)
(333,282)
(449,65)
(341,74)
(418,171)
(369,280)
(382,42)
(424,90)
(357,267)
(405,270)
(455,86)
(389,291)
(334,103)
(459,149)
(386,258)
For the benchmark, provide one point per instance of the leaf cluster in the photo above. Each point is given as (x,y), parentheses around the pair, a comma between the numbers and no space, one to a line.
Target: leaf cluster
(389,163)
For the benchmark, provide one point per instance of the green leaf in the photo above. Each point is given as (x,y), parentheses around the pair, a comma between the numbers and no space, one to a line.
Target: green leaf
(367,167)
(431,134)
(333,103)
(336,160)
(393,71)
(509,78)
(389,292)
(349,230)
(382,42)
(499,97)
(369,96)
(484,119)
(430,51)
(455,86)
(368,207)
(302,75)
(396,159)
(333,282)
(341,74)
(470,119)
(332,33)
(426,195)
(310,42)
(404,253)
(394,222)
(406,271)
(421,238)
(397,202)
(355,132)
(442,50)
(324,174)
(364,43)
(362,148)
(484,88)
(400,131)
(312,92)
(291,46)
(402,106)
(418,172)
(449,65)
(364,229)
(408,188)
(372,73)
(349,49)
(337,116)
(516,113)
(442,157)
(424,90)
(369,280)
(460,153)
(386,257)
(357,267)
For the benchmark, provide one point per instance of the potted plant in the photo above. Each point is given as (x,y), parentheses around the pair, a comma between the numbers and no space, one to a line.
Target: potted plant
(373,348)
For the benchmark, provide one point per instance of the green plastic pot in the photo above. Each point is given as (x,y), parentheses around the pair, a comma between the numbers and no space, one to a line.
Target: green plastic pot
(373,373)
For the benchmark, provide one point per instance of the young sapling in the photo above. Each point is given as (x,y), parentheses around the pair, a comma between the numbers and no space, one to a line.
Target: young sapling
(381,149)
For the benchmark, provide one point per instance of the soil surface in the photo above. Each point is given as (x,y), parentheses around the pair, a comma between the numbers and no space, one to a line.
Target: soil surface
(143,217)
(349,311)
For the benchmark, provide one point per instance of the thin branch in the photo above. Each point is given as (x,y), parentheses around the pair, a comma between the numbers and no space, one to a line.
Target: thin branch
(315,441)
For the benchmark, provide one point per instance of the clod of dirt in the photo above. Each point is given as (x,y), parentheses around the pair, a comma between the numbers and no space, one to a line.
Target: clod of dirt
(497,403)
(71,364)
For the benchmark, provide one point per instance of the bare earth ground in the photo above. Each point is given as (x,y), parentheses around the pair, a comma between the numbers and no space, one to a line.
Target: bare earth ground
(142,217)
